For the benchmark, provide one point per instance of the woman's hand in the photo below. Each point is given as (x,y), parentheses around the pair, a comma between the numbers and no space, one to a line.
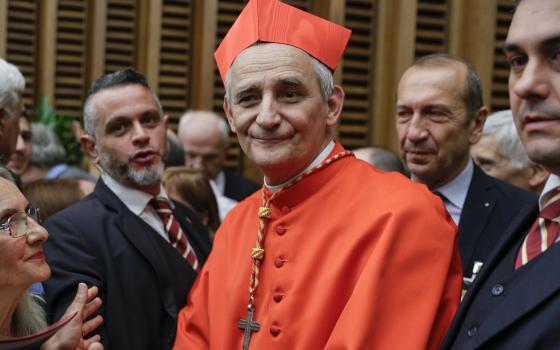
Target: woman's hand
(71,336)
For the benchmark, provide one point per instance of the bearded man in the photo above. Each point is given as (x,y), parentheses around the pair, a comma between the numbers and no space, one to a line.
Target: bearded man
(140,249)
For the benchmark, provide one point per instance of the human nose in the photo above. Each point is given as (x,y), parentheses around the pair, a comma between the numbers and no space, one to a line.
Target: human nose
(532,83)
(416,131)
(20,145)
(268,117)
(140,134)
(36,232)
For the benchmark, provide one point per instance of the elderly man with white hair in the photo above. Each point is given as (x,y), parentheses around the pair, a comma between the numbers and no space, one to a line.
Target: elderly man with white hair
(500,154)
(12,84)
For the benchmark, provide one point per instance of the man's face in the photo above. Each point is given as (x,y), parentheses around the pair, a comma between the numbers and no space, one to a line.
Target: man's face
(9,131)
(277,110)
(432,126)
(22,155)
(204,148)
(533,49)
(485,155)
(130,135)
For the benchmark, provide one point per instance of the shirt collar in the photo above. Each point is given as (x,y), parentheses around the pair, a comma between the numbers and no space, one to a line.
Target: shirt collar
(552,182)
(135,200)
(321,157)
(455,191)
(220,182)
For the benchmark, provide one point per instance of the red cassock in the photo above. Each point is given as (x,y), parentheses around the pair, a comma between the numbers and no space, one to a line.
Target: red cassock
(355,258)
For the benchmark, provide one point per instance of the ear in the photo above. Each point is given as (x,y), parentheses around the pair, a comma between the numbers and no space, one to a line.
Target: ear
(335,103)
(166,121)
(537,177)
(229,115)
(477,124)
(88,146)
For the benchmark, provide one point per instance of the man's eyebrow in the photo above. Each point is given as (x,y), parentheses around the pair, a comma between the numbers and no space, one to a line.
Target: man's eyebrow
(244,89)
(291,82)
(546,44)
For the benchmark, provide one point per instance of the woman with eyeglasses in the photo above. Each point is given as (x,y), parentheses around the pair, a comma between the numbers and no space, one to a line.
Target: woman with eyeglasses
(22,263)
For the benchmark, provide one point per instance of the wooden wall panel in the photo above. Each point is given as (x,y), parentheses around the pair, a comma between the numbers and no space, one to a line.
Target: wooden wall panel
(500,94)
(358,74)
(21,44)
(71,52)
(431,27)
(175,57)
(120,50)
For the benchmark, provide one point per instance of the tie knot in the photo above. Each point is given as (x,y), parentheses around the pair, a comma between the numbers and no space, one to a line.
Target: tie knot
(160,204)
(551,207)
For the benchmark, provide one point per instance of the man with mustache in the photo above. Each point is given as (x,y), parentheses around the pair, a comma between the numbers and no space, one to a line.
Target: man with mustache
(439,115)
(141,250)
(331,253)
(515,302)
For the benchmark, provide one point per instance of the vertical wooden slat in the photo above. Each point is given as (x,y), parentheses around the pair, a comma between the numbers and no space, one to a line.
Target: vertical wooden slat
(97,24)
(204,38)
(3,26)
(500,93)
(148,36)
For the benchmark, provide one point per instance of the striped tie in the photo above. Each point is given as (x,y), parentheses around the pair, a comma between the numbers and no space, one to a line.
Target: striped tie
(176,236)
(544,231)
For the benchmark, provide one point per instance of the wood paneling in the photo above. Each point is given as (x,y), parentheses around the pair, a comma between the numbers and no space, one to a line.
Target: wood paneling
(500,94)
(120,50)
(431,27)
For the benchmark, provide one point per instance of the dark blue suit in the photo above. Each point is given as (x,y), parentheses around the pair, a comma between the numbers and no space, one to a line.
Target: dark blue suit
(143,280)
(508,309)
(237,187)
(489,208)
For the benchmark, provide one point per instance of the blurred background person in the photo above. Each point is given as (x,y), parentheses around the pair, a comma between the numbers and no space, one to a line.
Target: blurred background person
(381,158)
(204,136)
(193,189)
(20,159)
(175,155)
(500,153)
(22,263)
(51,196)
(48,158)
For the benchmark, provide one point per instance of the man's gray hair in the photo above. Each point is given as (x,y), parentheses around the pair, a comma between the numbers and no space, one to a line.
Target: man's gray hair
(508,144)
(123,77)
(12,84)
(324,77)
(207,117)
(47,149)
(472,93)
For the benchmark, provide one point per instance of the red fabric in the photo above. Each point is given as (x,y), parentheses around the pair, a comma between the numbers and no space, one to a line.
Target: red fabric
(354,259)
(276,22)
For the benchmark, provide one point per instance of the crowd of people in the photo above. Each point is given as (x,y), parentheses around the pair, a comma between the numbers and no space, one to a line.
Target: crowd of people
(449,246)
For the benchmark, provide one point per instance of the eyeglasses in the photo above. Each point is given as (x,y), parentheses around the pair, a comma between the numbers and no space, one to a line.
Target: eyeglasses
(17,225)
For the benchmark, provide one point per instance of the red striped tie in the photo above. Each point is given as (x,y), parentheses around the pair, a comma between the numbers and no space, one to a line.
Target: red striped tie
(176,235)
(544,231)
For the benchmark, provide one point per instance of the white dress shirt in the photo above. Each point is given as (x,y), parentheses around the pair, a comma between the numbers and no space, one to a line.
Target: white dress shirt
(455,191)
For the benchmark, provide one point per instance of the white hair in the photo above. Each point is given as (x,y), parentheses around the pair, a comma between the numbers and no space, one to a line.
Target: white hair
(29,316)
(324,77)
(207,117)
(501,126)
(12,84)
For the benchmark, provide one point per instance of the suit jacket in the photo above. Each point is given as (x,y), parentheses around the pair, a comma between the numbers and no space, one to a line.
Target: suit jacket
(507,309)
(143,281)
(489,208)
(237,187)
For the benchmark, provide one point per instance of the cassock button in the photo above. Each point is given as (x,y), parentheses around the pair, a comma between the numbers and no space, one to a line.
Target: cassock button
(279,262)
(285,209)
(275,330)
(497,290)
(280,230)
(278,297)
(472,331)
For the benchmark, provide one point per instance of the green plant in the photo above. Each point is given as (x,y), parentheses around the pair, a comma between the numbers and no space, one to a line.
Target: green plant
(62,127)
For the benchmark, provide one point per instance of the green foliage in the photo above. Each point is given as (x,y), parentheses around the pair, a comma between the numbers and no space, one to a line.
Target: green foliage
(62,127)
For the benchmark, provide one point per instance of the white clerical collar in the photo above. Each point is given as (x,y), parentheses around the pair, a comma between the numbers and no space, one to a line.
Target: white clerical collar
(321,157)
(455,191)
(135,200)
(220,182)
(552,182)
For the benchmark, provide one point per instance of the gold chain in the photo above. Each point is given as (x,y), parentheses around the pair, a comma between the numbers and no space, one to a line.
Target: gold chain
(257,253)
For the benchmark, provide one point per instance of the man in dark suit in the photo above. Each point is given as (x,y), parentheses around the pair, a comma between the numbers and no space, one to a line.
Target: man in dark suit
(439,115)
(127,238)
(204,136)
(514,303)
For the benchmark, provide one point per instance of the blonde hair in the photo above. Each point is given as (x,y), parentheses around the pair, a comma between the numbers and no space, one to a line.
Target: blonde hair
(29,316)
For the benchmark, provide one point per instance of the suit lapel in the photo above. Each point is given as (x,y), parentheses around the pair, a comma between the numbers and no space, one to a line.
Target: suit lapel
(479,204)
(141,237)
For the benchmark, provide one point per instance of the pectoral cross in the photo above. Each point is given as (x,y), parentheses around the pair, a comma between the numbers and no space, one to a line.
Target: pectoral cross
(248,326)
